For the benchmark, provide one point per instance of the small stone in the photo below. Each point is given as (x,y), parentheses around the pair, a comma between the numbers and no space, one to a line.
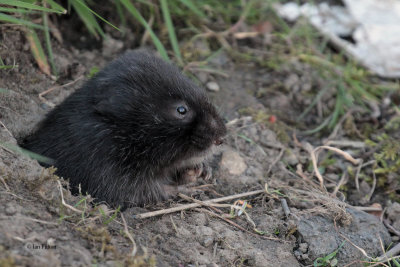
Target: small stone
(291,81)
(303,247)
(212,86)
(51,242)
(233,162)
(111,45)
(202,76)
(208,241)
(290,158)
(393,211)
(297,254)
(305,257)
(10,210)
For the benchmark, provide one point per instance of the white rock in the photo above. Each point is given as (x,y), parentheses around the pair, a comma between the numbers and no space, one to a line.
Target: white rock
(212,86)
(233,162)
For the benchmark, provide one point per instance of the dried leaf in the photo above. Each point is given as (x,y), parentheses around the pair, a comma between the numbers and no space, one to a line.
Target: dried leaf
(37,51)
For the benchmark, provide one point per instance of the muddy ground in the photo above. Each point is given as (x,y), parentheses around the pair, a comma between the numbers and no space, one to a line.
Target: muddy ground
(262,152)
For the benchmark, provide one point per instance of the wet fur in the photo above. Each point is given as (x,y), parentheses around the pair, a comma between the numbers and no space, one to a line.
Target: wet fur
(117,135)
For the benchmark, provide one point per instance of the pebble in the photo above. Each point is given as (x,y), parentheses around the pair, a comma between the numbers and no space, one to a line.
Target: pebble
(208,241)
(303,247)
(10,210)
(212,86)
(111,46)
(291,81)
(51,242)
(290,158)
(233,162)
(202,76)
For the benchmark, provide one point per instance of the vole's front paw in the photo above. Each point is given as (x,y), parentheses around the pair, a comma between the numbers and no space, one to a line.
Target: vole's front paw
(191,175)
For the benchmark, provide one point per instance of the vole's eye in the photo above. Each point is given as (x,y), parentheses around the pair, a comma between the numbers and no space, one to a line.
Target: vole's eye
(181,110)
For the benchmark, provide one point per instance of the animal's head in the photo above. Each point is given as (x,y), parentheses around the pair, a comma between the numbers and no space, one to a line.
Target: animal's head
(156,113)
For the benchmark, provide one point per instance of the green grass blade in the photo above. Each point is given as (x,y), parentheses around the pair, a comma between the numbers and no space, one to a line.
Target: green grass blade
(48,43)
(340,99)
(319,127)
(135,13)
(120,13)
(87,17)
(189,4)
(171,30)
(22,151)
(29,6)
(6,67)
(14,10)
(56,6)
(97,15)
(11,19)
(313,103)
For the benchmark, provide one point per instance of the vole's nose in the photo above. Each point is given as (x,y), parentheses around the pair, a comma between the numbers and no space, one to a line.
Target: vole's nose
(218,141)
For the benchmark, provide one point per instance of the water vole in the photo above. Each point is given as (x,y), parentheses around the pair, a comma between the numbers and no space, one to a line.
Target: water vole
(131,131)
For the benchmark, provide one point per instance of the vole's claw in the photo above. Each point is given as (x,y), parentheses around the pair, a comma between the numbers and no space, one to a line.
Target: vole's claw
(202,170)
(206,172)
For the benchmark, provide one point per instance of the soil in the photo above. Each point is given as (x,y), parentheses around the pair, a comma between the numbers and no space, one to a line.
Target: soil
(38,229)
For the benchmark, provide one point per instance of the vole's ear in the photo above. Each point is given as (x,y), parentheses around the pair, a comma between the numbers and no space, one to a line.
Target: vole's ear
(108,106)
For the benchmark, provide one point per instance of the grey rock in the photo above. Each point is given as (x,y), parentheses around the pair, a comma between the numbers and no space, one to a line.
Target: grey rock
(365,231)
(10,209)
(290,158)
(207,241)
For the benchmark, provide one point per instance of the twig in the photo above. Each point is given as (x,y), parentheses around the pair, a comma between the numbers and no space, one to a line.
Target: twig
(344,154)
(366,208)
(391,228)
(345,143)
(368,197)
(275,161)
(14,195)
(380,262)
(285,207)
(203,203)
(2,124)
(56,87)
(392,252)
(5,184)
(236,225)
(339,124)
(212,206)
(299,171)
(27,218)
(128,234)
(314,158)
(63,201)
(146,34)
(6,149)
(358,175)
(341,182)
(308,147)
(354,245)
(195,205)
